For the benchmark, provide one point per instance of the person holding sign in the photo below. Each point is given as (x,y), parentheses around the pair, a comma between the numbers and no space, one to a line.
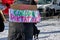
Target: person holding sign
(21,31)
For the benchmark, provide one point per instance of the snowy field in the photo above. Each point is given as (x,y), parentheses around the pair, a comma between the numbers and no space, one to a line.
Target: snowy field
(50,30)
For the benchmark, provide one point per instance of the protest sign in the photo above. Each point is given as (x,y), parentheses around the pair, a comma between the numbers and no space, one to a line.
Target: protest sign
(24,15)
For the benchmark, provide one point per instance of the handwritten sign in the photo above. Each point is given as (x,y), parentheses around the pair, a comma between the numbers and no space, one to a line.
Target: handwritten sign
(24,15)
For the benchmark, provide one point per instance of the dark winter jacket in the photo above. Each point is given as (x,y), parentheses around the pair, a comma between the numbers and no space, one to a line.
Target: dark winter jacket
(1,23)
(1,18)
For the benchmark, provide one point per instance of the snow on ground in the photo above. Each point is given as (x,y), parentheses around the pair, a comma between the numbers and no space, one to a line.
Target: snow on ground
(50,30)
(4,34)
(49,25)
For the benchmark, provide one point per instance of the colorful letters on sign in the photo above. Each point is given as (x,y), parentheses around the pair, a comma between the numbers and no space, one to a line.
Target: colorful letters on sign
(24,15)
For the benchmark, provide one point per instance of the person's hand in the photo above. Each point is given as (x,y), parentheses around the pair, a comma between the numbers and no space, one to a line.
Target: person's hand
(36,1)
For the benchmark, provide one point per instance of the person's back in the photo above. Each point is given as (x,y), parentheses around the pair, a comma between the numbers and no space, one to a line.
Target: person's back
(18,28)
